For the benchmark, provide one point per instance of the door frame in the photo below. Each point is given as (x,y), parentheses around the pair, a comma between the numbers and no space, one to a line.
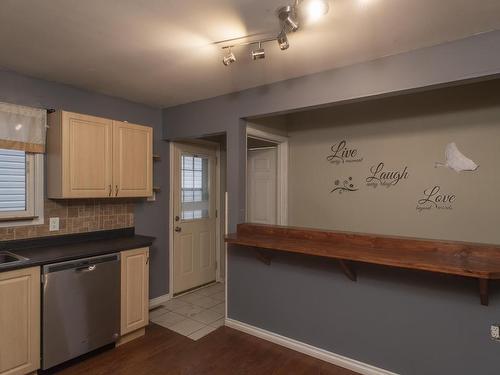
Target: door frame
(282,170)
(172,146)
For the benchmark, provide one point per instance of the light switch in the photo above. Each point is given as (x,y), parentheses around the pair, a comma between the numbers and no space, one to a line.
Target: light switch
(53,224)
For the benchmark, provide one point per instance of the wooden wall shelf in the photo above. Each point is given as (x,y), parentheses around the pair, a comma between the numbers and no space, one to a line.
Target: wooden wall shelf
(479,261)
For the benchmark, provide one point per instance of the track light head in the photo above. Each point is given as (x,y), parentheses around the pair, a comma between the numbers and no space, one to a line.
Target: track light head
(229,58)
(283,40)
(258,53)
(288,18)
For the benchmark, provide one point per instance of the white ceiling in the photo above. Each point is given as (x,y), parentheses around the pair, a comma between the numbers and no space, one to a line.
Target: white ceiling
(160,52)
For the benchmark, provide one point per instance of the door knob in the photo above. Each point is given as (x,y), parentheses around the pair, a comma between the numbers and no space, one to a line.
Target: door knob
(178,229)
(177,218)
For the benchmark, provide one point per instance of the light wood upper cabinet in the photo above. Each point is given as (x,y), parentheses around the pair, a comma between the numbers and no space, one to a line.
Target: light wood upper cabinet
(132,160)
(134,290)
(20,321)
(93,157)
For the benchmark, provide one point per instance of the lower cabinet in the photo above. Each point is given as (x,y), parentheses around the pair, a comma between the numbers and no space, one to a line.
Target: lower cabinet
(20,321)
(134,290)
(20,317)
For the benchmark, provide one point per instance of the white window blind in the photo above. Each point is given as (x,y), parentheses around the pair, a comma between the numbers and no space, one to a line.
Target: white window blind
(12,181)
(194,187)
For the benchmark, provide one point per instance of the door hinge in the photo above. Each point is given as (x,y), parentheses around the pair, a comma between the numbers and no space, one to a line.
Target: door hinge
(216,213)
(216,264)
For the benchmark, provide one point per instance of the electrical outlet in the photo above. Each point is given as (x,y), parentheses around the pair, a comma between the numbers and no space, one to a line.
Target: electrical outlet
(53,224)
(495,332)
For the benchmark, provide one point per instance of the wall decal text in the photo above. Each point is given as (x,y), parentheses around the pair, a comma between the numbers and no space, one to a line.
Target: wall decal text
(433,198)
(341,153)
(380,176)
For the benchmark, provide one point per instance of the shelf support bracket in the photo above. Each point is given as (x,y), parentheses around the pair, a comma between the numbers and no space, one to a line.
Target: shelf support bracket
(483,291)
(348,270)
(264,256)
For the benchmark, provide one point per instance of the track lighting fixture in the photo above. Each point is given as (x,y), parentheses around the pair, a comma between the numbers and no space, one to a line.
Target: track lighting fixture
(258,53)
(229,58)
(283,41)
(289,16)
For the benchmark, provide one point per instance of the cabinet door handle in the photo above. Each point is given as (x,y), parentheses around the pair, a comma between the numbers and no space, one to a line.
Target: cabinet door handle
(110,190)
(116,190)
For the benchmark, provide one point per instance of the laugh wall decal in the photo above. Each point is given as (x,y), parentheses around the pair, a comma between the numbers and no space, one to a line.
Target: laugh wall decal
(342,153)
(380,176)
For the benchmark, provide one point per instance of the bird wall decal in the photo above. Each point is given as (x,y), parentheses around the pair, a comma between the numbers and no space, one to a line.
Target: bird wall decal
(456,160)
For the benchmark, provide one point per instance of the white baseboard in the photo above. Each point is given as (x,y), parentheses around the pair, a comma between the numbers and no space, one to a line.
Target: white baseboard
(158,301)
(324,355)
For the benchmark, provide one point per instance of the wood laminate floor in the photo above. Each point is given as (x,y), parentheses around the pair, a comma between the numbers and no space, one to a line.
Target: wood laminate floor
(224,351)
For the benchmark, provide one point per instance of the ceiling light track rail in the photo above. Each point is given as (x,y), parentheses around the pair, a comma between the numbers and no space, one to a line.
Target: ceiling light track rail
(290,18)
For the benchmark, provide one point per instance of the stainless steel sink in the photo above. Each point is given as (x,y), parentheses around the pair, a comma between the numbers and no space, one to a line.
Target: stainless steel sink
(7,258)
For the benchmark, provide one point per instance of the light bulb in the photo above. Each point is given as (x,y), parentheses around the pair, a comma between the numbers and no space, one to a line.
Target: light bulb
(315,9)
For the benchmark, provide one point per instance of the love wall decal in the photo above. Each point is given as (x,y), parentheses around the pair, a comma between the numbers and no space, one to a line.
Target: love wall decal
(380,176)
(342,153)
(434,198)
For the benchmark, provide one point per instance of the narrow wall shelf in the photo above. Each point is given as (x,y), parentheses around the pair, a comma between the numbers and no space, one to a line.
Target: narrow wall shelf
(479,261)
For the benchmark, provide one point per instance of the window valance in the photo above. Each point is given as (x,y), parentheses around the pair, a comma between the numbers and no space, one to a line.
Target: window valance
(22,128)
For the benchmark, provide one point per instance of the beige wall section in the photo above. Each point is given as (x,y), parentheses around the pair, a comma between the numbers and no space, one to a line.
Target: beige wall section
(406,131)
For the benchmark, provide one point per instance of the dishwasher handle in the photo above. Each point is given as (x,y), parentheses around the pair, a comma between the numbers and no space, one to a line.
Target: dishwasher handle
(81,265)
(86,269)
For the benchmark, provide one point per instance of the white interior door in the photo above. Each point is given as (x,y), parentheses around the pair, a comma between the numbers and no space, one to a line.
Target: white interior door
(262,186)
(194,234)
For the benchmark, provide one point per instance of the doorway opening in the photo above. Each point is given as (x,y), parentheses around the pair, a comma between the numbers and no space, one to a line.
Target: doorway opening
(267,164)
(198,213)
(197,225)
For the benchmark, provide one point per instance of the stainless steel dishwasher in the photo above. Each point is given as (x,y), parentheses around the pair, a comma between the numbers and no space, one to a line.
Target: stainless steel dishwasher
(81,307)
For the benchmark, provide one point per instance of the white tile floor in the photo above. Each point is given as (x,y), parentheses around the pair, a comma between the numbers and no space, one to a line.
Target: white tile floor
(194,314)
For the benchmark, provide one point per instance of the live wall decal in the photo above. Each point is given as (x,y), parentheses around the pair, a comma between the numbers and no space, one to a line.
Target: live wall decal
(380,176)
(346,185)
(434,198)
(456,160)
(342,153)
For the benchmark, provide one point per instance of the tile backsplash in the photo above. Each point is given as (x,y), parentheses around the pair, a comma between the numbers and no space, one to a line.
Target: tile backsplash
(77,216)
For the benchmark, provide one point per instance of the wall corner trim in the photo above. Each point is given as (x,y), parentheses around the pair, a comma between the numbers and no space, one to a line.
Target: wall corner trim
(155,302)
(324,355)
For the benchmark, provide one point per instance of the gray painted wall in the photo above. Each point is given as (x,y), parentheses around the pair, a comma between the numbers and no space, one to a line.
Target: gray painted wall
(309,299)
(151,218)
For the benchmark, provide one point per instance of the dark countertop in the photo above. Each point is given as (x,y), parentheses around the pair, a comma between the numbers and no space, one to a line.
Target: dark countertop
(54,249)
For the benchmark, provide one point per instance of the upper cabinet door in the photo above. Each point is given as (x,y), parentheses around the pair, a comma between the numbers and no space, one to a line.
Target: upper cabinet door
(87,143)
(132,160)
(79,156)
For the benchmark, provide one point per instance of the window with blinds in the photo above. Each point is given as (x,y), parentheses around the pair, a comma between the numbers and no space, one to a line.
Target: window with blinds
(15,184)
(194,187)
